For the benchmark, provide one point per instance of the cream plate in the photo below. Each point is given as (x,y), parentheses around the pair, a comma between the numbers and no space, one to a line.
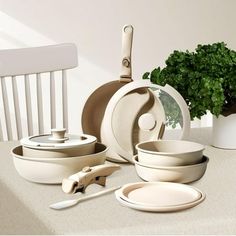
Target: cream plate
(159,196)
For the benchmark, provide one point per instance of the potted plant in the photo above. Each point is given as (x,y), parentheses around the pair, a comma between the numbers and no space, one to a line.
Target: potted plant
(206,78)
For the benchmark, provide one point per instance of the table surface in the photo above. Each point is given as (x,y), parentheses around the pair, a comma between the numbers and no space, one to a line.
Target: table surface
(24,205)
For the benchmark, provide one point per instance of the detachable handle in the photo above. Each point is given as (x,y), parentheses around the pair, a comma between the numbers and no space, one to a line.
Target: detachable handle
(127,39)
(89,175)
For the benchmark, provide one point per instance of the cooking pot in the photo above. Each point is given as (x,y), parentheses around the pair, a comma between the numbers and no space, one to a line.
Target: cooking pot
(51,170)
(57,145)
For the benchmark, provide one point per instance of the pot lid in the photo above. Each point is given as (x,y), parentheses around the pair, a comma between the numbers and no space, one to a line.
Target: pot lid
(138,112)
(57,140)
(159,196)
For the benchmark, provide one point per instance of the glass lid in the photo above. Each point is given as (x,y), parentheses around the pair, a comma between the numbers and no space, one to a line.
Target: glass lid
(57,139)
(141,111)
(174,117)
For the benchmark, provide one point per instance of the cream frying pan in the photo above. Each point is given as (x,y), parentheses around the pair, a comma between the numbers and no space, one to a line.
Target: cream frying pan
(96,104)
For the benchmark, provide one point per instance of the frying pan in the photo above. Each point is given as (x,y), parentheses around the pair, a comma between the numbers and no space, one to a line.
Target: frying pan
(123,113)
(95,106)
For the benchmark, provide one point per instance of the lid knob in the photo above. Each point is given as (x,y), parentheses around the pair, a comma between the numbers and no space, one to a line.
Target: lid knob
(58,135)
(147,122)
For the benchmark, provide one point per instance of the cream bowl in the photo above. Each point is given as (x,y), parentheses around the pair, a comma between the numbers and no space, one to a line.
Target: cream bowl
(178,174)
(170,152)
(53,170)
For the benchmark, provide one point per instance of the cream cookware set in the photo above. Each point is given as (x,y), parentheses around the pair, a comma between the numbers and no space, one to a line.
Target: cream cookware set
(123,121)
(42,159)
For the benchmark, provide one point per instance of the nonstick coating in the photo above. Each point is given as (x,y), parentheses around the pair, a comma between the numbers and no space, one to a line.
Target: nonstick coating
(95,107)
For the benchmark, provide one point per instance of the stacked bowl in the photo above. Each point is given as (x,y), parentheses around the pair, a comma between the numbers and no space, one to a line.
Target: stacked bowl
(170,160)
(52,157)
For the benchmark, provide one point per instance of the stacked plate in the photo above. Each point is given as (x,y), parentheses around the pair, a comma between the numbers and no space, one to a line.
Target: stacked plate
(50,158)
(159,196)
(170,160)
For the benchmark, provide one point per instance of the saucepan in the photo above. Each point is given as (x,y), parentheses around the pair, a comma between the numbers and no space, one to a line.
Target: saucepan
(52,170)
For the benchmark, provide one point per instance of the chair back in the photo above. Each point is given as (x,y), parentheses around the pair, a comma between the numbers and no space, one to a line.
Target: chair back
(24,63)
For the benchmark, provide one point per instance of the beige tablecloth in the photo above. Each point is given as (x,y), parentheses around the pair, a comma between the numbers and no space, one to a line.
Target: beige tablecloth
(24,205)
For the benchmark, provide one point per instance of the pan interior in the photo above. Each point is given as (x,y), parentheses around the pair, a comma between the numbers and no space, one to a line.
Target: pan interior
(95,107)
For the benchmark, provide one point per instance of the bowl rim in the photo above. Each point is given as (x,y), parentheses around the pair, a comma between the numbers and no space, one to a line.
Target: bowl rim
(46,159)
(168,153)
(204,161)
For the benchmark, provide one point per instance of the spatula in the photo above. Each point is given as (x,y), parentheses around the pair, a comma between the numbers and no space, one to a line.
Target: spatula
(69,203)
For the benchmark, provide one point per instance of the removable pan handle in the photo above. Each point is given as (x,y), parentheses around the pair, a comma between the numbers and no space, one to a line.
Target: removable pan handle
(126,69)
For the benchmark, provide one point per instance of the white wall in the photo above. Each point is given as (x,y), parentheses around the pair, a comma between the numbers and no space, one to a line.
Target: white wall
(95,27)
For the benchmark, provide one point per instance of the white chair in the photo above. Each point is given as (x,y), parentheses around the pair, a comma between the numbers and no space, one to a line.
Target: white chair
(25,62)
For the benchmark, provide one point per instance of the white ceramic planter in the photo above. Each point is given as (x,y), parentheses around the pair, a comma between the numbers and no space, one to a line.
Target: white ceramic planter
(224,132)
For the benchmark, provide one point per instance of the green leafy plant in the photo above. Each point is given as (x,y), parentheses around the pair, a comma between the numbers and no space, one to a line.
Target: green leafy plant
(206,78)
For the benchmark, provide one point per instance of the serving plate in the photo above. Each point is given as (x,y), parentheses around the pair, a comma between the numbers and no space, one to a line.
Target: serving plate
(160,208)
(159,196)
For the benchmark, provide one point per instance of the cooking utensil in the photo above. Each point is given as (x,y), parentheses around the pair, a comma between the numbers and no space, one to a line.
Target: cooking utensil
(69,203)
(54,170)
(178,174)
(159,196)
(95,106)
(135,114)
(170,152)
(88,175)
(57,145)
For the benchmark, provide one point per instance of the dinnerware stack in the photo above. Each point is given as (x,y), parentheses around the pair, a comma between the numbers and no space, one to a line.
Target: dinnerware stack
(50,158)
(170,160)
(159,196)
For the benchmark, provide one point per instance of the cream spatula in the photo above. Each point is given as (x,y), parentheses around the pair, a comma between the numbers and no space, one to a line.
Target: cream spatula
(69,203)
